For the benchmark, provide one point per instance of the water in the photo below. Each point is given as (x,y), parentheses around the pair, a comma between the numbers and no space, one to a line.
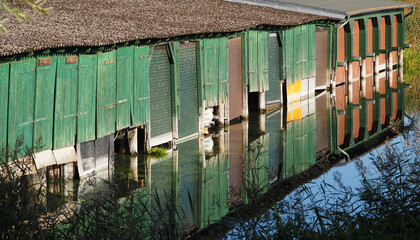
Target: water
(202,180)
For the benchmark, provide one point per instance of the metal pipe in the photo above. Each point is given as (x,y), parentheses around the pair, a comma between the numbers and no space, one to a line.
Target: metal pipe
(334,79)
(412,10)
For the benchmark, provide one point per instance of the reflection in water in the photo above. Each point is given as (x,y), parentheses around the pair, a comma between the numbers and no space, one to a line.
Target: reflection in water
(201,179)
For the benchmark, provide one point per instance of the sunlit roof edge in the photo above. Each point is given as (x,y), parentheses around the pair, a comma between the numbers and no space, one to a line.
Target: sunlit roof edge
(318,10)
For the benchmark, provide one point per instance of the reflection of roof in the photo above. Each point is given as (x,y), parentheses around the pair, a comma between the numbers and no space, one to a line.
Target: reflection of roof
(104,22)
(331,8)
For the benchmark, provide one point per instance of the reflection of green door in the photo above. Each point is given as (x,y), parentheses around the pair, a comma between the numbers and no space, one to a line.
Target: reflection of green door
(215,189)
(275,153)
(255,175)
(163,191)
(188,172)
(188,121)
(160,95)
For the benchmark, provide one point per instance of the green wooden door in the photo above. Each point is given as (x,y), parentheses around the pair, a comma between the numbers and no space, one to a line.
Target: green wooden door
(210,71)
(65,102)
(223,70)
(141,99)
(106,94)
(44,103)
(4,97)
(125,57)
(188,121)
(86,119)
(21,104)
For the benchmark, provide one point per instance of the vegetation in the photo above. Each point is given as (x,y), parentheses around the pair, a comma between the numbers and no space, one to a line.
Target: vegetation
(20,10)
(158,152)
(412,57)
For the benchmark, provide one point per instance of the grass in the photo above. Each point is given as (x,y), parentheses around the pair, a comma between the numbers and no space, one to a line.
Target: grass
(158,152)
(412,57)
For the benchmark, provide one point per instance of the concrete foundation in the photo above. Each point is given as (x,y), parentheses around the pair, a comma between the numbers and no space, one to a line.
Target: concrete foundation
(133,140)
(261,101)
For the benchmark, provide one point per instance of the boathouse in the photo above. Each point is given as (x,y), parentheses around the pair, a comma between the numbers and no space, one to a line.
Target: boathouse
(71,82)
(369,45)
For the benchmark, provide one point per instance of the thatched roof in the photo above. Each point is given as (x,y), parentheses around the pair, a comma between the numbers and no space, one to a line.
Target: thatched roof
(104,22)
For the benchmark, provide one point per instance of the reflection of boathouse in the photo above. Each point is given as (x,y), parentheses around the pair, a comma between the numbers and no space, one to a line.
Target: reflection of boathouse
(154,69)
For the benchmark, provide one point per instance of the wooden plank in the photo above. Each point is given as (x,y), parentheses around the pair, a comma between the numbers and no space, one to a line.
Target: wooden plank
(125,57)
(263,84)
(106,94)
(141,98)
(223,71)
(86,112)
(65,103)
(252,56)
(44,103)
(21,105)
(4,97)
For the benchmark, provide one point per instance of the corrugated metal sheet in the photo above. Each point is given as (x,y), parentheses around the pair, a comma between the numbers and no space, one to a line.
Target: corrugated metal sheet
(66,102)
(160,95)
(106,94)
(4,99)
(274,68)
(141,97)
(44,103)
(235,77)
(86,102)
(188,121)
(125,57)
